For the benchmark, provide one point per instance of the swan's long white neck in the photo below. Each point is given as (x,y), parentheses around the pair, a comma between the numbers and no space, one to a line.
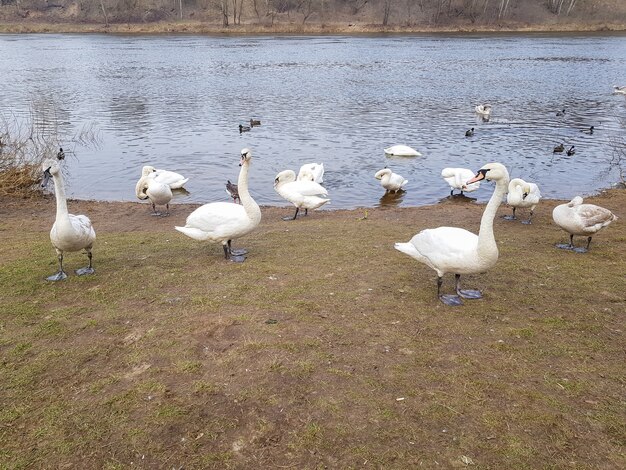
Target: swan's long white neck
(486,240)
(249,204)
(59,192)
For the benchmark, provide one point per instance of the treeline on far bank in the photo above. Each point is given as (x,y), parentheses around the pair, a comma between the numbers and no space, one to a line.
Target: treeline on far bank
(383,13)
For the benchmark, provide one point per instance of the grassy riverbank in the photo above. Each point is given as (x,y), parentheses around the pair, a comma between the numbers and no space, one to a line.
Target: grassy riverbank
(197,27)
(325,349)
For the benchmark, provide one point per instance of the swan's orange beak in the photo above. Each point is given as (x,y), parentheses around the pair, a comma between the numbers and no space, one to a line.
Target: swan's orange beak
(479,176)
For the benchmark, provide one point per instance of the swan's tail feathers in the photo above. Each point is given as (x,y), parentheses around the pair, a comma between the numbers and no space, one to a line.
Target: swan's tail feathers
(408,249)
(179,184)
(192,232)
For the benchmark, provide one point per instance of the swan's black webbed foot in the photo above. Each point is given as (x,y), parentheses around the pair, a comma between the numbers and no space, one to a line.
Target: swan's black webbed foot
(509,217)
(526,222)
(294,216)
(451,300)
(469,294)
(580,249)
(241,252)
(59,276)
(237,258)
(85,271)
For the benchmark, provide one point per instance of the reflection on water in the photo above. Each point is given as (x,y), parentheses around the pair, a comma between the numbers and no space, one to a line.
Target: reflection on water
(391,199)
(175,102)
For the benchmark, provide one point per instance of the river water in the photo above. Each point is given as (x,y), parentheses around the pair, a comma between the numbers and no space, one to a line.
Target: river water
(175,102)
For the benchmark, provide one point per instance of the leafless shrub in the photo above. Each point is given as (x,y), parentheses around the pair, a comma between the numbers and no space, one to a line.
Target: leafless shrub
(26,141)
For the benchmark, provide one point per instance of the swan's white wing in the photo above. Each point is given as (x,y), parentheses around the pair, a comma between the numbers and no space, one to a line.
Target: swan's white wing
(169,177)
(83,227)
(593,217)
(447,249)
(311,171)
(397,181)
(216,215)
(306,188)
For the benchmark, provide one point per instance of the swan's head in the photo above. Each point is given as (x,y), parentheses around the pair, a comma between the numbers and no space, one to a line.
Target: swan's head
(380,173)
(50,168)
(283,177)
(577,201)
(491,172)
(142,187)
(246,156)
(146,170)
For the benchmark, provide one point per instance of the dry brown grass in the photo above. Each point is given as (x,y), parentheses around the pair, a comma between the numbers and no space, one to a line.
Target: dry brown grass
(325,349)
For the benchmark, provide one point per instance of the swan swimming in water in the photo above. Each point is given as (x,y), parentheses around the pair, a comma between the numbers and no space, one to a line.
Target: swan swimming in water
(390,181)
(402,151)
(522,194)
(69,232)
(457,179)
(577,218)
(311,172)
(302,194)
(171,178)
(458,251)
(222,222)
(159,193)
(483,109)
(619,90)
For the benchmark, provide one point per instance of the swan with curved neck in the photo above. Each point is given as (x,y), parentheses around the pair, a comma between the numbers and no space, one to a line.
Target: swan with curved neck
(577,218)
(523,195)
(69,232)
(390,180)
(311,172)
(222,222)
(171,178)
(159,193)
(457,178)
(302,194)
(458,251)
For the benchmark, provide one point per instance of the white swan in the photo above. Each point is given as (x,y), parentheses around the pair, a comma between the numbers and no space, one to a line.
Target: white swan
(311,172)
(69,232)
(402,151)
(302,194)
(159,193)
(483,109)
(222,222)
(451,249)
(619,90)
(522,194)
(172,179)
(389,180)
(457,179)
(577,218)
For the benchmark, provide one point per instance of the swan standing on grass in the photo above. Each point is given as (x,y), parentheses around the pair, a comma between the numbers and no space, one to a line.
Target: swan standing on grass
(158,193)
(522,194)
(222,222)
(390,181)
(577,218)
(69,232)
(457,179)
(172,179)
(455,250)
(402,151)
(483,110)
(311,172)
(302,194)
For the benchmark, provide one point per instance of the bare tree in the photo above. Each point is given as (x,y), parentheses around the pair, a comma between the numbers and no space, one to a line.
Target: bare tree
(224,11)
(386,11)
(306,7)
(104,11)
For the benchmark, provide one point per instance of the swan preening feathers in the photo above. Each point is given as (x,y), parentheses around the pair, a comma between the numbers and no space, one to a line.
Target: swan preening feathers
(577,218)
(159,193)
(69,232)
(302,194)
(457,179)
(458,251)
(222,222)
(311,172)
(172,179)
(523,195)
(483,109)
(390,181)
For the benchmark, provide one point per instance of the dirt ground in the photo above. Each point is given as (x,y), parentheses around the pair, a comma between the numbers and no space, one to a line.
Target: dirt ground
(326,349)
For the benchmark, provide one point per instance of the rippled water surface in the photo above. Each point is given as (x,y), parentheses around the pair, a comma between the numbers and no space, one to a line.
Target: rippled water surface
(176,102)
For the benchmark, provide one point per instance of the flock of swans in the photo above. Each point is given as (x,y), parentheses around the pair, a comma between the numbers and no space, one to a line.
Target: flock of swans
(444,249)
